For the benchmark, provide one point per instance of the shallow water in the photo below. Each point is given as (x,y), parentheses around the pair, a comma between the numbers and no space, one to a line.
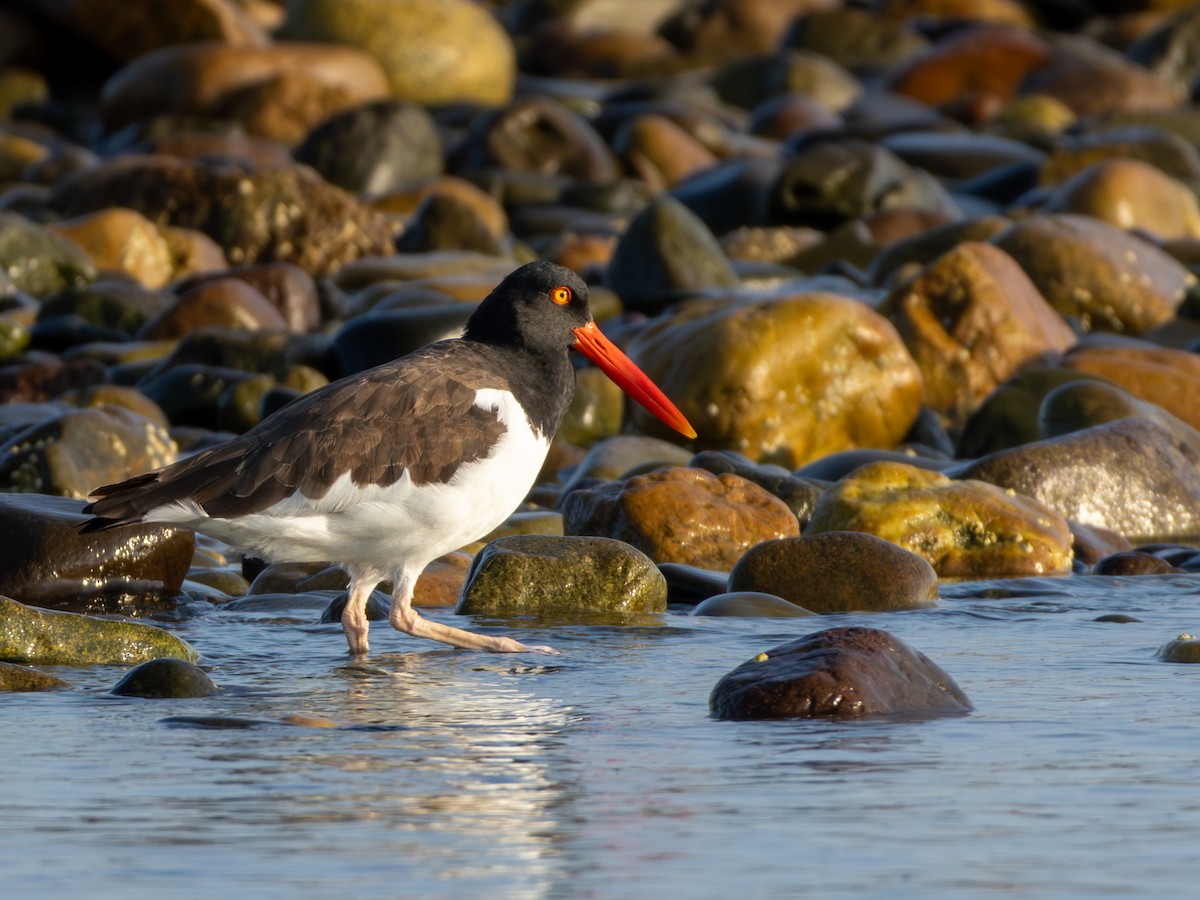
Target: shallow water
(599,773)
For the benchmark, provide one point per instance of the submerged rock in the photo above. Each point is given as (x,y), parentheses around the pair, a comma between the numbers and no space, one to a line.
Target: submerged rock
(16,679)
(963,528)
(838,571)
(165,677)
(681,515)
(841,672)
(749,604)
(1184,649)
(42,637)
(561,576)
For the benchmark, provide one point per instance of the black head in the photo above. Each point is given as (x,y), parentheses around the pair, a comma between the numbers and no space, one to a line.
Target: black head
(536,307)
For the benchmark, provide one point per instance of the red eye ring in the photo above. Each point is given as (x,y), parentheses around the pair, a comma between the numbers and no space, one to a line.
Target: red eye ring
(561,295)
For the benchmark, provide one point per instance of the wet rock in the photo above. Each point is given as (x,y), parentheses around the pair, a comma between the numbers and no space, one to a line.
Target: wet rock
(1160,375)
(374,148)
(78,450)
(831,182)
(961,156)
(193,394)
(664,254)
(1170,50)
(17,679)
(446,222)
(166,677)
(527,574)
(276,353)
(971,319)
(839,465)
(1170,153)
(379,606)
(37,260)
(1090,544)
(925,247)
(1082,404)
(35,382)
(379,337)
(855,38)
(45,560)
(1106,279)
(749,605)
(121,240)
(1094,80)
(215,303)
(971,69)
(596,412)
(690,584)
(962,528)
(1184,649)
(108,303)
(681,515)
(840,672)
(285,214)
(1133,562)
(749,80)
(659,152)
(800,494)
(1009,417)
(454,51)
(41,637)
(1131,476)
(838,571)
(782,379)
(279,91)
(287,287)
(613,457)
(1130,194)
(127,29)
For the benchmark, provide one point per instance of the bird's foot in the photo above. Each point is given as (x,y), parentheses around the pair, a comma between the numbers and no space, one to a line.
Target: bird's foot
(508,645)
(408,620)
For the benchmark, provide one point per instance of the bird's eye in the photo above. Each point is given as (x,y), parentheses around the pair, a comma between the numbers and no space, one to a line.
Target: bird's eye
(561,295)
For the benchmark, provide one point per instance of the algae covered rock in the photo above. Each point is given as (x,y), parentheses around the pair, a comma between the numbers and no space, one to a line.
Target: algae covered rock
(782,379)
(962,528)
(1183,649)
(165,677)
(20,679)
(841,672)
(43,637)
(561,576)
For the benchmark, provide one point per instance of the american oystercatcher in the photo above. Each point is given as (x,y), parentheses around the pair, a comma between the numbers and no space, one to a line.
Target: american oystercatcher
(384,471)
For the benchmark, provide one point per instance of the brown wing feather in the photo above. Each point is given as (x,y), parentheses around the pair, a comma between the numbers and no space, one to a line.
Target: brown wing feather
(416,414)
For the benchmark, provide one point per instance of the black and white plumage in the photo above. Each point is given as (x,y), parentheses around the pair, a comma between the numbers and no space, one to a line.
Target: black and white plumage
(386,470)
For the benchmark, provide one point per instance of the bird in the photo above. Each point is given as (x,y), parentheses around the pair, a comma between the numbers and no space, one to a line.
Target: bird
(385,470)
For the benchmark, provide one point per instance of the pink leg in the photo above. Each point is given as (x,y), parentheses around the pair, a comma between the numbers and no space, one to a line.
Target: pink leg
(354,616)
(405,618)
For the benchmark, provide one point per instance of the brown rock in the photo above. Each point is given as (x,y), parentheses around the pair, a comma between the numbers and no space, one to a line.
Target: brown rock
(681,515)
(121,240)
(1131,195)
(1105,278)
(659,152)
(277,91)
(1133,562)
(838,571)
(220,303)
(1160,375)
(841,672)
(14,678)
(288,288)
(782,379)
(442,580)
(1010,12)
(733,28)
(192,252)
(971,319)
(963,528)
(34,382)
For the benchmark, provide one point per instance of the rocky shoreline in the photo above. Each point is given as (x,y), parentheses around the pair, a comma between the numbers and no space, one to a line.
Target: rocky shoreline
(922,274)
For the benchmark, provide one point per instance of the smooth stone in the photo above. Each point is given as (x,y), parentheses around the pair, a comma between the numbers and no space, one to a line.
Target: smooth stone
(1090,544)
(1130,195)
(838,571)
(444,221)
(39,380)
(218,303)
(858,39)
(1163,376)
(838,465)
(1170,49)
(749,605)
(110,303)
(379,607)
(1169,153)
(1184,649)
(800,494)
(1077,405)
(1131,476)
(840,672)
(681,515)
(665,253)
(1133,562)
(748,80)
(165,678)
(192,393)
(277,214)
(597,409)
(38,260)
(279,90)
(971,319)
(1103,277)
(78,450)
(45,559)
(923,248)
(287,287)
(43,637)
(277,353)
(381,336)
(967,529)
(613,457)
(374,148)
(781,379)
(22,679)
(107,396)
(660,152)
(1116,618)
(691,584)
(122,240)
(454,51)
(526,575)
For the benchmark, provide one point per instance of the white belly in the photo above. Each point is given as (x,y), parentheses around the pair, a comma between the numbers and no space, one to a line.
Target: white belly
(386,529)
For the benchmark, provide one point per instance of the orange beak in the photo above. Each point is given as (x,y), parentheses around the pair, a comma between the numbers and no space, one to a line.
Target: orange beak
(632,380)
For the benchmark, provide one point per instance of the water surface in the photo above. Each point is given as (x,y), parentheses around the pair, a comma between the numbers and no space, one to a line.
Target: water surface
(599,773)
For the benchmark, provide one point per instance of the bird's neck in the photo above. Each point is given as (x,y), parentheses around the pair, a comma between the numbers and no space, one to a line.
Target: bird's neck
(543,383)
